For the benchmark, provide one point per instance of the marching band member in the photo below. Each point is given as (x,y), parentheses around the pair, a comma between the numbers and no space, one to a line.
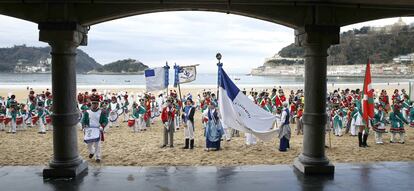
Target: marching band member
(2,116)
(113,115)
(154,109)
(12,115)
(41,114)
(105,111)
(125,106)
(397,124)
(299,123)
(214,129)
(167,117)
(93,124)
(147,106)
(188,119)
(337,121)
(284,129)
(378,124)
(139,115)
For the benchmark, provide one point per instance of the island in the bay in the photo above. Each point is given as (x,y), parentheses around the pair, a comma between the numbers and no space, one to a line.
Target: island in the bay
(33,60)
(127,66)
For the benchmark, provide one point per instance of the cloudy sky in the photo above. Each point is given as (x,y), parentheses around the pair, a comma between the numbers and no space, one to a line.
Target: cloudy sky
(184,38)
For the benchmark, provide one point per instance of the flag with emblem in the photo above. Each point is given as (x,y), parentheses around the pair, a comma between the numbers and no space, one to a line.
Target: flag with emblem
(368,95)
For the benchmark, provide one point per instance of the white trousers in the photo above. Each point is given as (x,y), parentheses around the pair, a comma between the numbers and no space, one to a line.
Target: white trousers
(142,123)
(115,123)
(227,134)
(250,139)
(189,130)
(139,124)
(126,116)
(177,122)
(378,138)
(42,128)
(338,131)
(353,129)
(95,149)
(2,126)
(49,127)
(402,137)
(12,128)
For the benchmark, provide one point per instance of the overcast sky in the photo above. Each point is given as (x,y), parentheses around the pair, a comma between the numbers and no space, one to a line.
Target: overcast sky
(184,38)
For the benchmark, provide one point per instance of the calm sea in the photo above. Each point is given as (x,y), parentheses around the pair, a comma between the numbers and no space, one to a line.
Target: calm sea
(44,80)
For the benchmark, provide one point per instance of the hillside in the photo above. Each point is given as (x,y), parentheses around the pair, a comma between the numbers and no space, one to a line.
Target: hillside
(34,56)
(127,66)
(379,44)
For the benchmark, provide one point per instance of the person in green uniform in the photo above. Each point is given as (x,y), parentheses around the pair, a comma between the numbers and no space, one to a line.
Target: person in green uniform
(93,123)
(397,124)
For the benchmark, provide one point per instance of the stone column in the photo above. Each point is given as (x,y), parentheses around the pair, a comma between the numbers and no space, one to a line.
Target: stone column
(64,38)
(316,40)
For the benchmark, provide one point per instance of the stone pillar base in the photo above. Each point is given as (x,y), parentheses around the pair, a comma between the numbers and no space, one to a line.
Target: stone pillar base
(74,171)
(306,169)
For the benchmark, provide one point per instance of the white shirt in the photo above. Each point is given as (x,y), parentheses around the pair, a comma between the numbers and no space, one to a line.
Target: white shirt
(94,118)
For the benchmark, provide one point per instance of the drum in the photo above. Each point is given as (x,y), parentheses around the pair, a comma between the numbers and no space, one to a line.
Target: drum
(19,120)
(48,119)
(1,118)
(113,116)
(131,122)
(120,111)
(146,116)
(35,118)
(7,120)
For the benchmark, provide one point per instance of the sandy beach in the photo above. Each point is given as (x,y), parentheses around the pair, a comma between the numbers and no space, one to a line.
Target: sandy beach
(123,147)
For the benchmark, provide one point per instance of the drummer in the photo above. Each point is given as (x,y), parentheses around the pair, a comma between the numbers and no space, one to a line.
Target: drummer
(2,116)
(41,113)
(12,114)
(114,107)
(21,113)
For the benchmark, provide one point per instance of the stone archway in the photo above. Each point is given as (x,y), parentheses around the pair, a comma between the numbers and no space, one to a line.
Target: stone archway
(64,25)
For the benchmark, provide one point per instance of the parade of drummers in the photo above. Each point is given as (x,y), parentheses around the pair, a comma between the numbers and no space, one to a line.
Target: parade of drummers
(164,124)
(203,109)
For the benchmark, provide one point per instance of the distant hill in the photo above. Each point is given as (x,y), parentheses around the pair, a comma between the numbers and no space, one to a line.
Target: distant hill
(379,44)
(127,66)
(32,56)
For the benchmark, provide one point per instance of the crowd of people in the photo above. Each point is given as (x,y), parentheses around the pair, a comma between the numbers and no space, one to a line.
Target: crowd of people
(36,110)
(101,111)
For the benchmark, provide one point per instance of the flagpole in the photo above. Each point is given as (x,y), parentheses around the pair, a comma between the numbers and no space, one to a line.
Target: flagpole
(167,75)
(177,80)
(219,65)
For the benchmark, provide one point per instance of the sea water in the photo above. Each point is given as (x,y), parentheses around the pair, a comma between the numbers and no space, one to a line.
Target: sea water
(11,80)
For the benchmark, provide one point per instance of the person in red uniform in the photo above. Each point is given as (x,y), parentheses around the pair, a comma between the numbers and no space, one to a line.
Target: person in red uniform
(167,118)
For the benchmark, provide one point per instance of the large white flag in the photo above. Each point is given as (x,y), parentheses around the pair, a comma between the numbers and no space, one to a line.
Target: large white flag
(240,113)
(156,79)
(187,74)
